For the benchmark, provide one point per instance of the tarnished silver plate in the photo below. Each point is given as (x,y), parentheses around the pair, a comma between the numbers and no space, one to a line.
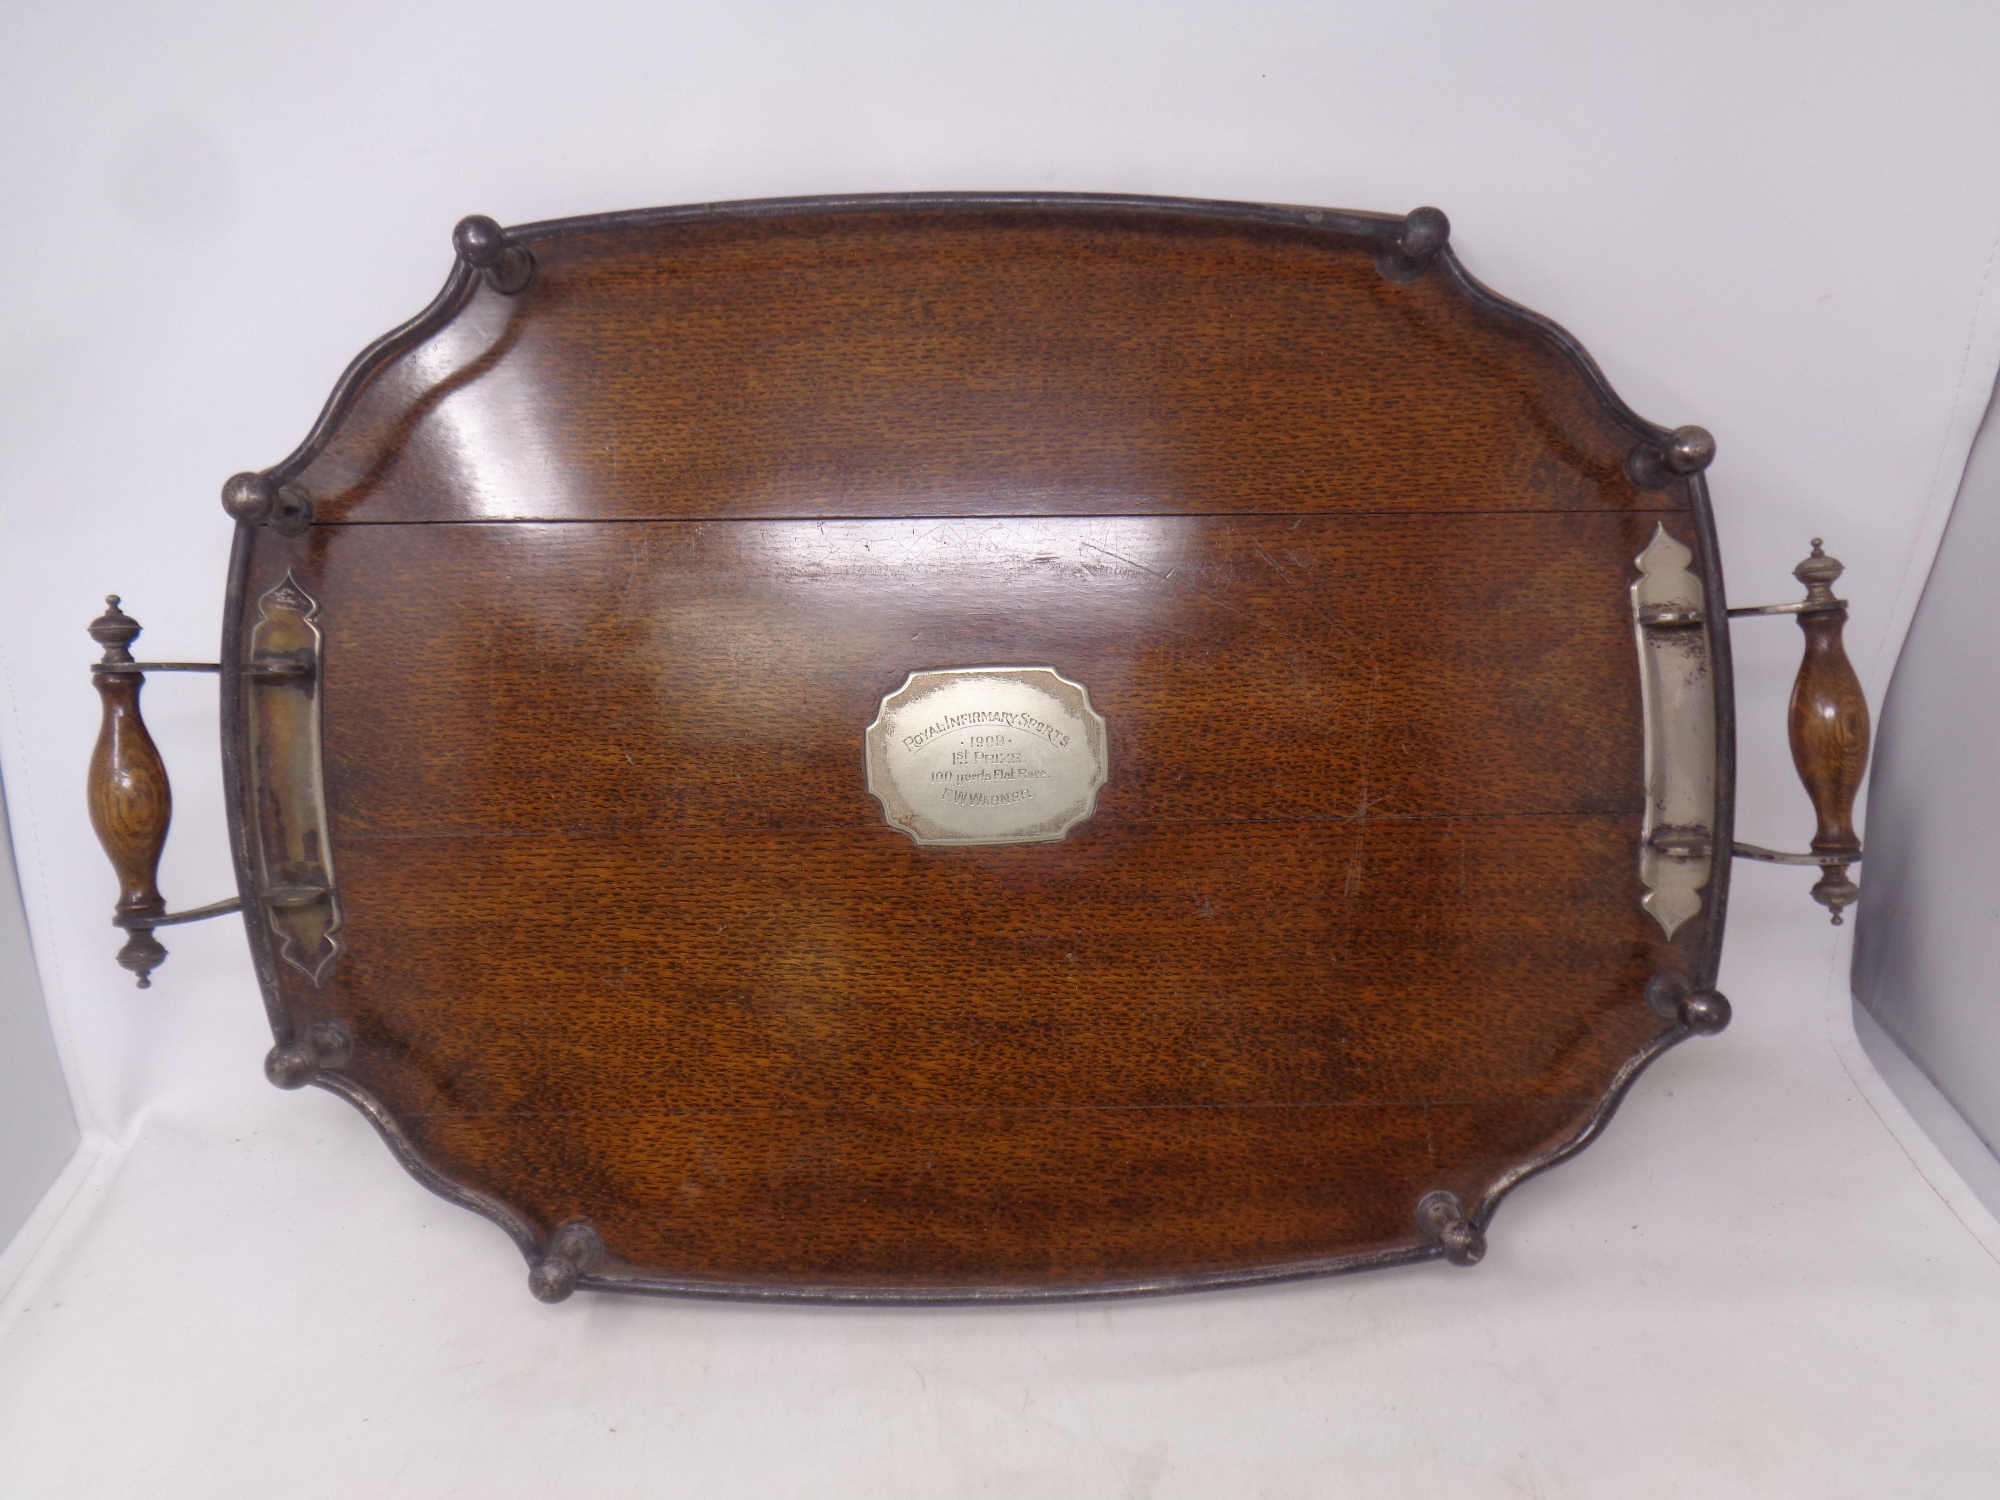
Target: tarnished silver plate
(987,755)
(1670,607)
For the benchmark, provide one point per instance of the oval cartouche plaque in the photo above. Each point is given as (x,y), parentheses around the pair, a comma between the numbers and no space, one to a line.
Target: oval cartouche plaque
(987,755)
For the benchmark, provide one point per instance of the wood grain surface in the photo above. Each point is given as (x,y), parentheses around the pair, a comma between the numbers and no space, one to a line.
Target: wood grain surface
(131,802)
(1828,726)
(613,575)
(1001,362)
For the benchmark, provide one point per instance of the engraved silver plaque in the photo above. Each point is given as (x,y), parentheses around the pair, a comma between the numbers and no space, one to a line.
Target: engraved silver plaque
(987,755)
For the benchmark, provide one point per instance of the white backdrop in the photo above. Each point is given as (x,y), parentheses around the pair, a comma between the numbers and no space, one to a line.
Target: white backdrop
(1778,221)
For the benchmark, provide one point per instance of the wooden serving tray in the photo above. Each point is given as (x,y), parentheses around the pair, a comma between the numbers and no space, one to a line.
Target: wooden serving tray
(551,654)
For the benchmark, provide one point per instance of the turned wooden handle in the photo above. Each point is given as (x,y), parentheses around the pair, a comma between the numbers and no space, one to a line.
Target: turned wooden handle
(1829,717)
(131,803)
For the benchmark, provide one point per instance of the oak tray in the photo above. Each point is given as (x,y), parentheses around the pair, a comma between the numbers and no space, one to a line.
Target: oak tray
(966,747)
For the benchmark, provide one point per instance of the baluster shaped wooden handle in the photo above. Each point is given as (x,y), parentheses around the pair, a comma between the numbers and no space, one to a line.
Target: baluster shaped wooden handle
(131,803)
(1829,726)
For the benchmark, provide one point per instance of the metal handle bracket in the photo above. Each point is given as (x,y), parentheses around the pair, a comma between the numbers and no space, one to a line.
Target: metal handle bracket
(1677,843)
(294,859)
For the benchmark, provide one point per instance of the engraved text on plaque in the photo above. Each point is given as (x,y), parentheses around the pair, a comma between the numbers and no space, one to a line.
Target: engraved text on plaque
(987,755)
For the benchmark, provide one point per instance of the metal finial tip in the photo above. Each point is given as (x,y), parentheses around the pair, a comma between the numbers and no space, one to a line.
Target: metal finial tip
(575,1249)
(1419,239)
(114,630)
(248,497)
(1817,545)
(1425,231)
(142,954)
(479,239)
(1690,449)
(1705,1012)
(1836,892)
(552,1279)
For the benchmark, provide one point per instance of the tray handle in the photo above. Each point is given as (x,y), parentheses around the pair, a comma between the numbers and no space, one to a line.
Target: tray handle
(131,800)
(1829,730)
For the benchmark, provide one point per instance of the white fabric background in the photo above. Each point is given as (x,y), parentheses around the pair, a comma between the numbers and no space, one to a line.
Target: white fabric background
(1778,221)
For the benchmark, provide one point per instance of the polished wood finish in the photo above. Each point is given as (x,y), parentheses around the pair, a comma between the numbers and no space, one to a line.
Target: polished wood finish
(614,572)
(1828,719)
(1829,732)
(131,803)
(1828,724)
(998,362)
